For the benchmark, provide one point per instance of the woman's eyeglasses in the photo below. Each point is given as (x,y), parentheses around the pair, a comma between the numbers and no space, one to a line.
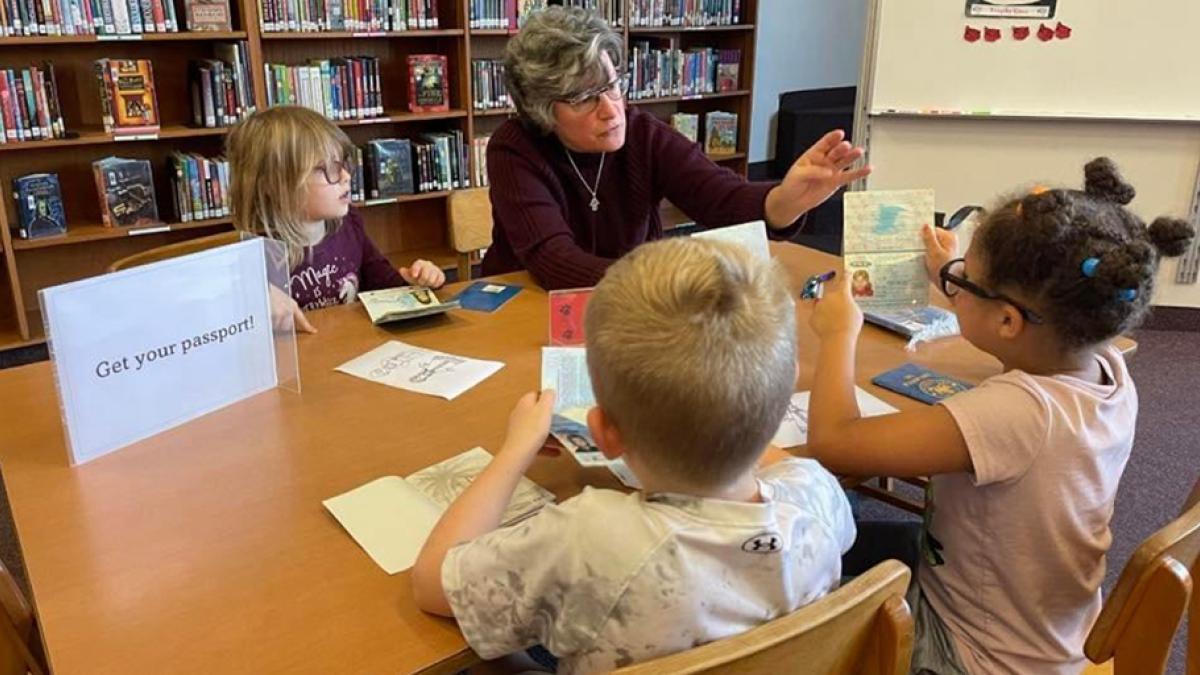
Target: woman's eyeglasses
(587,102)
(332,169)
(951,276)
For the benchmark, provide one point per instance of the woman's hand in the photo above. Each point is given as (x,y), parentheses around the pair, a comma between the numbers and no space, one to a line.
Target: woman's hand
(836,313)
(423,273)
(285,313)
(528,426)
(822,170)
(941,246)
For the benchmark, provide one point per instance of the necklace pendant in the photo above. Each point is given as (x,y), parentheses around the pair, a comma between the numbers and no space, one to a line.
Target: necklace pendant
(595,203)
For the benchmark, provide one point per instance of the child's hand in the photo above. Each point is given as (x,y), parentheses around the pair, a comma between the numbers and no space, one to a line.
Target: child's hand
(836,313)
(529,425)
(423,273)
(941,246)
(285,313)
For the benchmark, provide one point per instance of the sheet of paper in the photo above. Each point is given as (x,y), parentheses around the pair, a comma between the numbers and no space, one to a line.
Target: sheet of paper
(424,371)
(882,247)
(793,430)
(389,519)
(752,235)
(443,482)
(564,369)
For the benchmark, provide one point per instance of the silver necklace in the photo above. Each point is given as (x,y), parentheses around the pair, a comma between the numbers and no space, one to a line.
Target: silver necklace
(595,203)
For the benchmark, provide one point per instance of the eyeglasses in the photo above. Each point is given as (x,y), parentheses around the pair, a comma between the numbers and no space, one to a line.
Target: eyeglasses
(332,169)
(587,102)
(951,276)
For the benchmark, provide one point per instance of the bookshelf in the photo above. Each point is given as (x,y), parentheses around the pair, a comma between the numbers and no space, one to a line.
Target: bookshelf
(403,227)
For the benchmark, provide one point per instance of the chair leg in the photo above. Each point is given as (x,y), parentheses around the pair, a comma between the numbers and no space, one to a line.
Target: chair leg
(464,266)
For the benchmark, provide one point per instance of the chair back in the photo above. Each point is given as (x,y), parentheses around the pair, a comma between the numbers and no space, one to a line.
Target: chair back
(1138,621)
(862,627)
(20,644)
(175,250)
(470,218)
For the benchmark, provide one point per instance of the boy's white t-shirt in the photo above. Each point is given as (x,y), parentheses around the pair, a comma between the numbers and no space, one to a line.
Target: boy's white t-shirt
(1024,539)
(608,579)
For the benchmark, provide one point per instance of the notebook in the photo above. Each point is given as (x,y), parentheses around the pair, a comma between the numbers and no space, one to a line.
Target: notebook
(391,517)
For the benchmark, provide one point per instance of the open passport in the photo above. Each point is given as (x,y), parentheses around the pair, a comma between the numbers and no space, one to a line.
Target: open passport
(391,517)
(405,302)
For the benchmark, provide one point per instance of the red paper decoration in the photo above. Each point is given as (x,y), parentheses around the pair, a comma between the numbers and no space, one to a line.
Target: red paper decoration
(972,34)
(1020,33)
(991,34)
(1045,33)
(1062,31)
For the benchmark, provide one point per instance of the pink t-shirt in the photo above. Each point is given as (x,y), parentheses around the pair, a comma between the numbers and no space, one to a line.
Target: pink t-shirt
(1023,540)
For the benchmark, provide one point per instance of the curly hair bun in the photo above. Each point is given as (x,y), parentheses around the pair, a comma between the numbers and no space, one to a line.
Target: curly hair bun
(1103,180)
(1171,236)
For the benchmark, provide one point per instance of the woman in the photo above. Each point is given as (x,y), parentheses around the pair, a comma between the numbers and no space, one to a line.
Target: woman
(577,179)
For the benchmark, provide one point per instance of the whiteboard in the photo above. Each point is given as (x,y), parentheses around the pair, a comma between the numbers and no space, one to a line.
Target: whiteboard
(1124,59)
(979,161)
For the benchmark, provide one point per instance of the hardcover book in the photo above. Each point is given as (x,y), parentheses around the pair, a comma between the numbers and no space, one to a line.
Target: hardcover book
(390,162)
(126,191)
(207,15)
(428,85)
(128,96)
(39,206)
(720,133)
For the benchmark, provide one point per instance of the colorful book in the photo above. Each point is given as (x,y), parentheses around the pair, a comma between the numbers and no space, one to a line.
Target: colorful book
(126,191)
(428,84)
(128,97)
(390,167)
(720,133)
(920,383)
(39,206)
(687,124)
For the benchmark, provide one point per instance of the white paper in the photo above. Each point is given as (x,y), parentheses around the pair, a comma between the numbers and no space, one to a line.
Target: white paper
(141,351)
(389,519)
(564,369)
(882,247)
(793,431)
(392,517)
(752,235)
(424,371)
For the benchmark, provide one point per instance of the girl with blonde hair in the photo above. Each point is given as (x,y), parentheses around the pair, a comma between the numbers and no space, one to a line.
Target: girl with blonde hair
(291,171)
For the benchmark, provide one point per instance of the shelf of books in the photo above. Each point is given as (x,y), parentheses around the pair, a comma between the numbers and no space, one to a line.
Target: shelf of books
(417,85)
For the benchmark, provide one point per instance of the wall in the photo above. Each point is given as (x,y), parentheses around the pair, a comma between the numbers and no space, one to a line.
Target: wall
(802,44)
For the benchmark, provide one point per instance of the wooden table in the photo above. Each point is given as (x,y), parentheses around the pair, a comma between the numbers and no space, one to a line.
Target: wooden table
(206,549)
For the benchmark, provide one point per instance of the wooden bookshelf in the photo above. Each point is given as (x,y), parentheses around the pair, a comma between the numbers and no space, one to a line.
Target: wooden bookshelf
(404,227)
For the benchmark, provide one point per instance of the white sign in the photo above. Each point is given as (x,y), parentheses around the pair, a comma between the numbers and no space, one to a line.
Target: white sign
(146,349)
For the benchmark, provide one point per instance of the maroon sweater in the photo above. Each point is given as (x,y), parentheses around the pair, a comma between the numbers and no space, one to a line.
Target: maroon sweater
(542,220)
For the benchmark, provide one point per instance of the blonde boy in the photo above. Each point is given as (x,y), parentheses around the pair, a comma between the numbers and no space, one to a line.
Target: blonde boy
(692,354)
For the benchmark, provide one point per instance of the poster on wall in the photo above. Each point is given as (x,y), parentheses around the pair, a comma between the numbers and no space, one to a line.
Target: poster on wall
(1012,9)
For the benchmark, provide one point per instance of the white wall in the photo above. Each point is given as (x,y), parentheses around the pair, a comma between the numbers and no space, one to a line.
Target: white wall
(802,44)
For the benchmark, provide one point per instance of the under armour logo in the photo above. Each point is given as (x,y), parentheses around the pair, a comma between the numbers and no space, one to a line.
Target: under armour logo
(767,542)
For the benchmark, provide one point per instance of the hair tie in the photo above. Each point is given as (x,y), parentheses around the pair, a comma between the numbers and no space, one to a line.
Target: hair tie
(1127,294)
(1089,267)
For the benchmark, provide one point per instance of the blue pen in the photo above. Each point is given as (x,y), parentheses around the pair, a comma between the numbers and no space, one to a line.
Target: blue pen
(812,287)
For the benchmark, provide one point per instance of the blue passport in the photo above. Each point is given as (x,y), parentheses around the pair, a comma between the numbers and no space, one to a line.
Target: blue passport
(920,383)
(486,296)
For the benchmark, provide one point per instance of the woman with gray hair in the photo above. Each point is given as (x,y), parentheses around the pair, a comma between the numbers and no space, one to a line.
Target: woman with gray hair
(576,180)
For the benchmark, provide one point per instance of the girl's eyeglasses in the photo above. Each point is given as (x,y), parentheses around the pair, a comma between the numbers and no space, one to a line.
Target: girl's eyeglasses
(587,102)
(332,170)
(951,276)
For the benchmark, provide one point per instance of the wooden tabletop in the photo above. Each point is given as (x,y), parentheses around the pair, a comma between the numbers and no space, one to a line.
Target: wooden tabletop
(206,549)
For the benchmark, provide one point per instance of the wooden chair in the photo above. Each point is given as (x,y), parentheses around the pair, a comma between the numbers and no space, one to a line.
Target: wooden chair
(1135,628)
(175,250)
(863,627)
(20,645)
(470,216)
